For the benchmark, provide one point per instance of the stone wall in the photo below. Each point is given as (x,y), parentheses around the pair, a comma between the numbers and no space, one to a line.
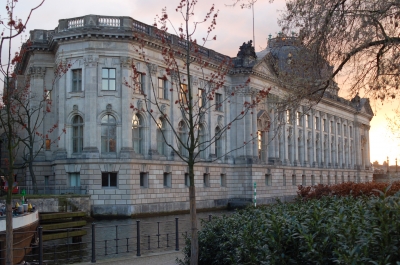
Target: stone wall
(58,203)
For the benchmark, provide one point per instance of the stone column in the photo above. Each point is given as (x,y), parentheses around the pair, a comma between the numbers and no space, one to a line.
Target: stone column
(271,137)
(253,113)
(357,145)
(295,141)
(126,112)
(367,146)
(314,161)
(90,149)
(152,91)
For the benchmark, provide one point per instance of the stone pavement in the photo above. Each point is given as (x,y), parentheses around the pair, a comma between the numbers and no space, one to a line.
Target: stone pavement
(163,258)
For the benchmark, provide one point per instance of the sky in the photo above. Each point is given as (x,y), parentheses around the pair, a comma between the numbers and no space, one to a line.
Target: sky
(234,26)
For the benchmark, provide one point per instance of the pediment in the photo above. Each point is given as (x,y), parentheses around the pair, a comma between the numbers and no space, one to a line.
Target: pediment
(264,68)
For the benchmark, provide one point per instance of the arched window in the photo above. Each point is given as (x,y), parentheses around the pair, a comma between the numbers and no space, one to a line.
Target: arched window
(183,136)
(108,134)
(77,134)
(137,133)
(218,142)
(202,139)
(161,146)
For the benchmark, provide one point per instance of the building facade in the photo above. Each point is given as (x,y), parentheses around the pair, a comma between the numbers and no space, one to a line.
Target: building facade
(119,155)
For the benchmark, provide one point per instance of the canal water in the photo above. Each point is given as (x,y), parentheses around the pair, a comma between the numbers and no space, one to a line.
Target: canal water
(118,238)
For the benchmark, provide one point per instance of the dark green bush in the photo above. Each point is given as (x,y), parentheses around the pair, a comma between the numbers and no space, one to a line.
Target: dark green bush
(332,230)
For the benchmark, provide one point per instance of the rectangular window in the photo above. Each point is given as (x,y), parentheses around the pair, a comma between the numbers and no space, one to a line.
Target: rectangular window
(218,102)
(344,130)
(351,131)
(298,119)
(140,82)
(284,180)
(223,180)
(308,124)
(183,95)
(187,180)
(206,180)
(76,80)
(336,179)
(329,179)
(338,129)
(316,126)
(144,180)
(294,180)
(268,180)
(167,180)
(288,119)
(48,144)
(74,180)
(108,79)
(109,179)
(321,179)
(324,125)
(46,181)
(202,99)
(312,180)
(162,88)
(303,180)
(332,128)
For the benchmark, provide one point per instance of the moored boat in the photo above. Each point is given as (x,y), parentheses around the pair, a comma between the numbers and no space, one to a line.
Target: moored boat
(24,229)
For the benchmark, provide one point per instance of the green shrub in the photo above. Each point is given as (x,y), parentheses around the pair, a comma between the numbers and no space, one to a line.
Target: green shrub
(332,230)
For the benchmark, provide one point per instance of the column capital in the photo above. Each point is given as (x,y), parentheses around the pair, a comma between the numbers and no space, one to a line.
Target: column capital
(37,71)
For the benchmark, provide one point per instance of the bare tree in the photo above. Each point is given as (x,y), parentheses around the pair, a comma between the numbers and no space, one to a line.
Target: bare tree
(22,113)
(183,60)
(359,39)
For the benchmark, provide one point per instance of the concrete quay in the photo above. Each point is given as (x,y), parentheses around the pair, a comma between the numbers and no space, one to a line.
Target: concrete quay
(162,258)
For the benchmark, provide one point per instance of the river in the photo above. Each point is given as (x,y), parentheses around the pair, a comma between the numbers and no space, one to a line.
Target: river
(118,238)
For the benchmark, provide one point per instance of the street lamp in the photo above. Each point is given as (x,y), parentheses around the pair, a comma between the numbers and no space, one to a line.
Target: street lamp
(387,163)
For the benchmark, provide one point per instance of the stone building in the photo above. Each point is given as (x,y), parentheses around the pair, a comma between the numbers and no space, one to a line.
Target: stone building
(119,155)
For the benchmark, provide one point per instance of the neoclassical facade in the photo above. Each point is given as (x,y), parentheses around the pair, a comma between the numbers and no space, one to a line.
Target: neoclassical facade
(120,156)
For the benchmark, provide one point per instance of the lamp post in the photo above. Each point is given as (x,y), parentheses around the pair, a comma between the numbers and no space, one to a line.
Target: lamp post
(387,171)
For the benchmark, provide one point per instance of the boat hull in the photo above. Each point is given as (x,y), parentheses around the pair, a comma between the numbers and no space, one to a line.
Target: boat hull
(24,230)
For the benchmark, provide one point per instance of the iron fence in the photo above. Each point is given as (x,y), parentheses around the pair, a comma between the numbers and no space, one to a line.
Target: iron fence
(127,239)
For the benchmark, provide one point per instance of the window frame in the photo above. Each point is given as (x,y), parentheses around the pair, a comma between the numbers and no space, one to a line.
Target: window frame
(107,137)
(109,176)
(222,180)
(137,141)
(268,180)
(79,136)
(144,180)
(206,180)
(108,79)
(167,180)
(76,80)
(218,102)
(187,180)
(163,89)
(77,177)
(183,94)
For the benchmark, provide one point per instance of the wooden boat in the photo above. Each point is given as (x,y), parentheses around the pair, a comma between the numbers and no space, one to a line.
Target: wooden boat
(24,230)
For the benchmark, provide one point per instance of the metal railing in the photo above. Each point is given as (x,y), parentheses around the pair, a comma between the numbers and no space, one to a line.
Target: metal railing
(130,239)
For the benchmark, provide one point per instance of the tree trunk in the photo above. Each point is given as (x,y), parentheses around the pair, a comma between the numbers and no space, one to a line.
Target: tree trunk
(194,245)
(33,177)
(9,228)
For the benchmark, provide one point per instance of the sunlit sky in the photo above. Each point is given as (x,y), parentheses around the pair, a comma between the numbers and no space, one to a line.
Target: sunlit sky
(234,26)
